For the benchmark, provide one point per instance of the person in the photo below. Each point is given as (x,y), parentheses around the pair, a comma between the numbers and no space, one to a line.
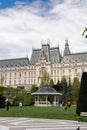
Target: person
(78,128)
(69,104)
(66,106)
(61,106)
(7,104)
(20,106)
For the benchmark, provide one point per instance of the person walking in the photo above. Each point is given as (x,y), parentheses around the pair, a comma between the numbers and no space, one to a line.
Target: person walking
(7,104)
(20,106)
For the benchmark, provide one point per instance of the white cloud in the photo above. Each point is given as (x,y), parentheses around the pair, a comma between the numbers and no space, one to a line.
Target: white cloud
(25,25)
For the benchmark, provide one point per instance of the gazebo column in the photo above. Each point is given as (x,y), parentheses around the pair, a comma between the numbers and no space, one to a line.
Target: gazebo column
(46,99)
(35,100)
(38,100)
(55,100)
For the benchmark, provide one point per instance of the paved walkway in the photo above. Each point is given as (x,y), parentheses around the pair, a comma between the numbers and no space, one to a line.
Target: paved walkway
(39,124)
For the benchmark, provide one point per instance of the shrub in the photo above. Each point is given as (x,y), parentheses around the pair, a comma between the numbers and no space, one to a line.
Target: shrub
(82,98)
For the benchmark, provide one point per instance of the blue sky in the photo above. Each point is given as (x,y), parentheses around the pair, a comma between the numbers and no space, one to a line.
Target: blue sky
(26,24)
(11,3)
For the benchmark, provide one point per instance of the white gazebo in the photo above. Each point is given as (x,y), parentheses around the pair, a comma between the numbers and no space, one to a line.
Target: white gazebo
(46,91)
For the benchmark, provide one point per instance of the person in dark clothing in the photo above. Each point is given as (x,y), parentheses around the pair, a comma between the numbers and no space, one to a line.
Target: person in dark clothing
(7,104)
(78,128)
(7,108)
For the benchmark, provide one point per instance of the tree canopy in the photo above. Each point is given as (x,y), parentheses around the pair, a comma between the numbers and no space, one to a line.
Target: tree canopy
(82,99)
(85,32)
(45,78)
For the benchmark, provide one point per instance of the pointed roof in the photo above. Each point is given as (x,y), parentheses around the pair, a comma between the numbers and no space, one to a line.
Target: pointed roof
(46,90)
(51,54)
(66,49)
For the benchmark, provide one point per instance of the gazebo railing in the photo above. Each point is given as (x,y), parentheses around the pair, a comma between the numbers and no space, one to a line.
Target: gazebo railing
(38,103)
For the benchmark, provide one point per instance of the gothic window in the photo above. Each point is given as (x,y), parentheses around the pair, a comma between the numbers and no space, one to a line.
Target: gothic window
(10,74)
(54,72)
(51,72)
(19,75)
(69,71)
(9,82)
(57,71)
(19,81)
(63,71)
(14,81)
(15,75)
(76,70)
(5,82)
(25,81)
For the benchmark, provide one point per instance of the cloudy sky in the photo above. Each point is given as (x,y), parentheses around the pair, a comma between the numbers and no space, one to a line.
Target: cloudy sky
(26,24)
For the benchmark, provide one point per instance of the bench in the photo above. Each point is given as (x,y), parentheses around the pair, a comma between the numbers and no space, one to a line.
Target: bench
(83,114)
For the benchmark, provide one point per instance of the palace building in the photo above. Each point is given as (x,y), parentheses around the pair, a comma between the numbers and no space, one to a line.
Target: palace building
(22,72)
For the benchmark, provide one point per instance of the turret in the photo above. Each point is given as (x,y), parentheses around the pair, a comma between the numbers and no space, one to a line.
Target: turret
(66,49)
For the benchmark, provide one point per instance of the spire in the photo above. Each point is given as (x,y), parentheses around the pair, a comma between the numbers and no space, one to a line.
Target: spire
(66,49)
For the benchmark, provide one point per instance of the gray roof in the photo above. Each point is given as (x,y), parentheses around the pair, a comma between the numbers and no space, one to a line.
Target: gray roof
(51,54)
(75,57)
(46,90)
(14,62)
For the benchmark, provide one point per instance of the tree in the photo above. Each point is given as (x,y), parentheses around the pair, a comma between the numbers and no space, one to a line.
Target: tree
(31,97)
(2,89)
(45,79)
(75,88)
(58,82)
(82,98)
(85,32)
(51,83)
(64,84)
(2,79)
(69,90)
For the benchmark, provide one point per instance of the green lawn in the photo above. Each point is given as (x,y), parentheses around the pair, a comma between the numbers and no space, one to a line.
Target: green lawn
(40,112)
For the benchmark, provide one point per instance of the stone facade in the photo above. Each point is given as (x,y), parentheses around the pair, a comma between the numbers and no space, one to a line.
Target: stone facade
(22,72)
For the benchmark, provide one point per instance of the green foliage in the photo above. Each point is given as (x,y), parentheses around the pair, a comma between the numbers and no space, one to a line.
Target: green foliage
(58,82)
(33,88)
(75,88)
(51,83)
(19,95)
(40,112)
(63,80)
(31,97)
(85,32)
(45,79)
(82,99)
(15,95)
(2,90)
(69,91)
(64,84)
(2,79)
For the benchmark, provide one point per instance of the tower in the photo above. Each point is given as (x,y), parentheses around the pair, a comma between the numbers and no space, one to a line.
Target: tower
(66,49)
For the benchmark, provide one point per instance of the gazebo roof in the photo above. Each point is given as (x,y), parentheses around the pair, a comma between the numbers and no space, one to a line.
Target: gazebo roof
(46,90)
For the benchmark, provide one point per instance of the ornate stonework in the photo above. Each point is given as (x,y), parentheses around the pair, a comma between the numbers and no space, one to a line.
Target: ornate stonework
(24,73)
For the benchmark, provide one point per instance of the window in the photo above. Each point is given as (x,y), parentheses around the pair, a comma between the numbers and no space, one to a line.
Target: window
(75,70)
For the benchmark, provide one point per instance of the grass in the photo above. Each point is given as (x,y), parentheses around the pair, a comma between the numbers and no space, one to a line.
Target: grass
(42,112)
(39,112)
